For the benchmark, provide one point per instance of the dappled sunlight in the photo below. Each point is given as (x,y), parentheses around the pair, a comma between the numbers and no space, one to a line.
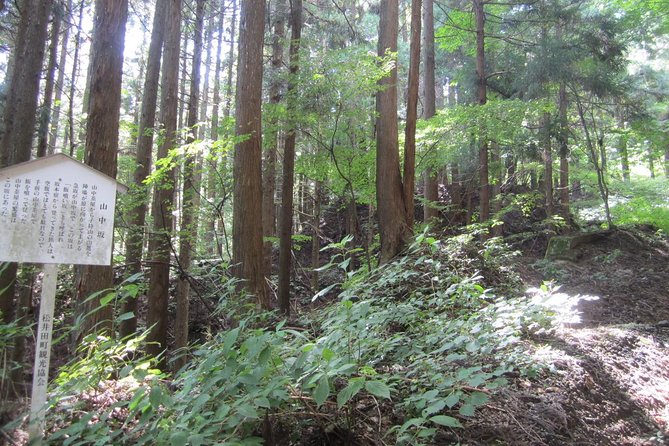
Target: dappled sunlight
(564,305)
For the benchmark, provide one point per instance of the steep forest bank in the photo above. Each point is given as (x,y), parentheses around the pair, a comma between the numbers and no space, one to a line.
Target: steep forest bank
(459,341)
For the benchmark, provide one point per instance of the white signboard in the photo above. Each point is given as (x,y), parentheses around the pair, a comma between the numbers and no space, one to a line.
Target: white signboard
(56,210)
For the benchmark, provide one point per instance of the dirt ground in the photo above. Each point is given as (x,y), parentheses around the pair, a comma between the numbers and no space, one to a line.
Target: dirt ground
(607,381)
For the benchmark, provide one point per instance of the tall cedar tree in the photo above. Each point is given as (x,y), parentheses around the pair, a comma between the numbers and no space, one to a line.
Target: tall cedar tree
(286,222)
(60,80)
(19,124)
(47,101)
(211,241)
(102,125)
(389,192)
(563,141)
(163,193)
(429,105)
(275,96)
(481,96)
(140,198)
(247,243)
(191,190)
(409,177)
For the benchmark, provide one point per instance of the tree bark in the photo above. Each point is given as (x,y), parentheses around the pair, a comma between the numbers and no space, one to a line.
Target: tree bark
(393,226)
(247,240)
(211,240)
(231,60)
(160,242)
(286,222)
(73,81)
(564,151)
(60,81)
(651,159)
(481,94)
(429,107)
(21,111)
(45,114)
(548,164)
(275,97)
(140,194)
(409,177)
(191,193)
(315,238)
(102,139)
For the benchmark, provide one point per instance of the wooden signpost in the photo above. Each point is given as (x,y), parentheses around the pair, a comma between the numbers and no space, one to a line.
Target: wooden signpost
(54,210)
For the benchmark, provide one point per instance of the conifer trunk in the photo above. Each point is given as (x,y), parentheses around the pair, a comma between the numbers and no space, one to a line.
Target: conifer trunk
(45,114)
(409,177)
(102,138)
(286,222)
(60,81)
(275,97)
(190,202)
(247,240)
(429,107)
(140,194)
(160,246)
(481,94)
(389,190)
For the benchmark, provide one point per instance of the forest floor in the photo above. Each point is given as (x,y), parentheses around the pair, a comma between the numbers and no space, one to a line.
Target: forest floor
(608,377)
(605,374)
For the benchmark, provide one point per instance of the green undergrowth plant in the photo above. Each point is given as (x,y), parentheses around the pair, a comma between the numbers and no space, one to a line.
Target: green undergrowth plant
(421,338)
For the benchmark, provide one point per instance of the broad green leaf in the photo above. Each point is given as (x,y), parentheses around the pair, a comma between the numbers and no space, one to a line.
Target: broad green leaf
(328,354)
(247,411)
(467,410)
(434,407)
(262,402)
(348,392)
(322,391)
(477,398)
(126,316)
(378,388)
(452,399)
(179,438)
(445,420)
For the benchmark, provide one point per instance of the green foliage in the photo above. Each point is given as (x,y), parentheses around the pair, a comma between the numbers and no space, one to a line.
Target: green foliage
(647,202)
(422,332)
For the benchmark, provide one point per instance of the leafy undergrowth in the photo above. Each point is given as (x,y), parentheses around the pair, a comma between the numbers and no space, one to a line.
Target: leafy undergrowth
(409,356)
(420,351)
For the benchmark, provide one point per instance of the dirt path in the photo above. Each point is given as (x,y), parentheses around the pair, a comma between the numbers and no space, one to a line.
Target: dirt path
(609,369)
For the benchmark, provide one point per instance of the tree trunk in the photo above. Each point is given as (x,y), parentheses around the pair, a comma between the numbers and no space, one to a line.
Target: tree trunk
(231,60)
(45,115)
(21,110)
(60,81)
(548,164)
(140,194)
(481,94)
(409,177)
(160,243)
(102,139)
(73,81)
(191,193)
(247,209)
(651,159)
(286,222)
(389,191)
(273,132)
(211,240)
(564,151)
(204,103)
(429,107)
(496,187)
(315,238)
